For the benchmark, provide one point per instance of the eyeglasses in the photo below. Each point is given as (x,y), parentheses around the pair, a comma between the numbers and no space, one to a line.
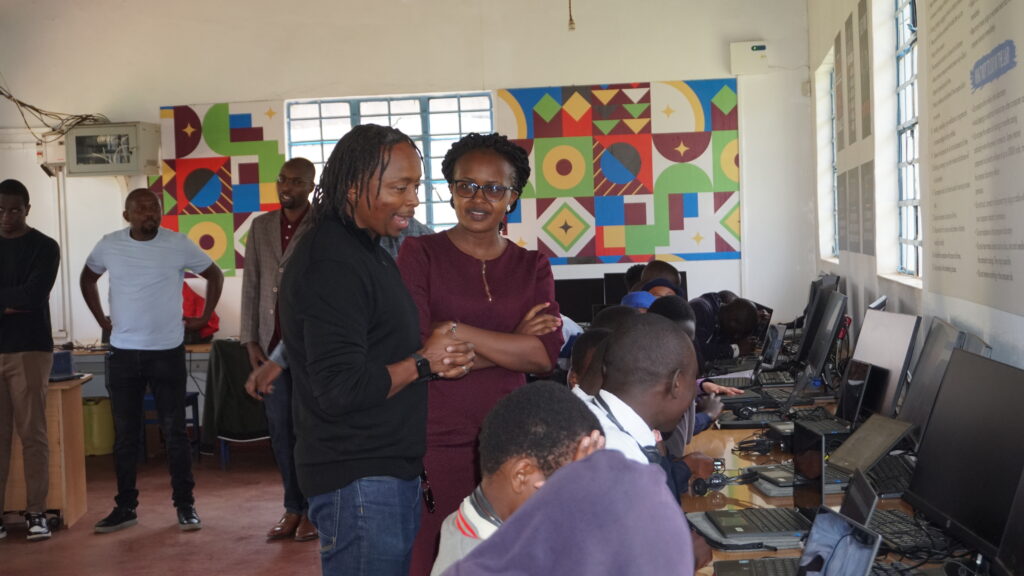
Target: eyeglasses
(281,179)
(492,192)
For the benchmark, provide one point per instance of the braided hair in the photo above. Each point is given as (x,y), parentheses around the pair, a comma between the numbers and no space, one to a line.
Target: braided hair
(498,143)
(359,156)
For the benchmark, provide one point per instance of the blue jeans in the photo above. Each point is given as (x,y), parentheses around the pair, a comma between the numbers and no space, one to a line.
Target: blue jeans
(128,374)
(368,526)
(282,439)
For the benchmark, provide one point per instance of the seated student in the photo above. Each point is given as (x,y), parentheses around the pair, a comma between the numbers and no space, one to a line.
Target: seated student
(632,277)
(660,287)
(723,329)
(612,317)
(602,516)
(528,435)
(659,269)
(583,355)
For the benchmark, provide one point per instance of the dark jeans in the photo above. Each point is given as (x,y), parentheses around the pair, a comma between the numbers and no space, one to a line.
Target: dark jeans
(128,374)
(367,528)
(282,439)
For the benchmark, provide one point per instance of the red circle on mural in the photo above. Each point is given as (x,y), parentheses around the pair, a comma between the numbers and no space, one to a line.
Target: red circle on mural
(206,242)
(564,166)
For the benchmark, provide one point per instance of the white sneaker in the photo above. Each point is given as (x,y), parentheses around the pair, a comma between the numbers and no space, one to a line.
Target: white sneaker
(37,527)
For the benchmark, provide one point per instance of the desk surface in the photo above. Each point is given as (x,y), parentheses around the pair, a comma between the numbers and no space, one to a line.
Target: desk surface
(190,348)
(69,384)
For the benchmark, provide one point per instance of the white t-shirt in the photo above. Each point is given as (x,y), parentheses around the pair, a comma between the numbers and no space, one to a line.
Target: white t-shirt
(636,433)
(145,286)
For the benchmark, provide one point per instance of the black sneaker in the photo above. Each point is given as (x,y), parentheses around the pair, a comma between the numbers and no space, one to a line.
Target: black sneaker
(116,520)
(38,529)
(188,519)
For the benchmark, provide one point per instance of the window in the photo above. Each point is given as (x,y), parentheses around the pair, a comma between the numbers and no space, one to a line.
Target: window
(908,171)
(433,122)
(835,165)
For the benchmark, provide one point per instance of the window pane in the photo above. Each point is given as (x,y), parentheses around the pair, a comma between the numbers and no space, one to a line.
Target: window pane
(438,148)
(444,104)
(476,122)
(335,128)
(476,103)
(410,124)
(312,153)
(443,212)
(421,213)
(439,192)
(444,123)
(304,110)
(305,130)
(335,109)
(373,107)
(405,106)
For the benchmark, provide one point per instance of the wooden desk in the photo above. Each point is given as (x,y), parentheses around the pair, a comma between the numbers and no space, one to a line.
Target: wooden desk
(65,435)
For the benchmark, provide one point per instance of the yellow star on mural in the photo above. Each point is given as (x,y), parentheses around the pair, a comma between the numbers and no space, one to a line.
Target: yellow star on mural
(521,243)
(270,113)
(697,238)
(668,111)
(682,148)
(188,130)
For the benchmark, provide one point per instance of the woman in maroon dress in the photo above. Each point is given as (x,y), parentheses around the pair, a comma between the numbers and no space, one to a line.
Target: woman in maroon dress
(496,295)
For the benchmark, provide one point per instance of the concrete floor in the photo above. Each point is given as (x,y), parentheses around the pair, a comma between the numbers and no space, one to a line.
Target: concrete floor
(237,507)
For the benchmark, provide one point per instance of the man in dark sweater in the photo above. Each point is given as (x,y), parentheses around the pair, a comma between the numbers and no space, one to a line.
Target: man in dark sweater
(359,372)
(28,267)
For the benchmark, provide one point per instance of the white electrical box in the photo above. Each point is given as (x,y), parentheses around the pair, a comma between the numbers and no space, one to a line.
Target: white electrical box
(51,151)
(121,149)
(748,58)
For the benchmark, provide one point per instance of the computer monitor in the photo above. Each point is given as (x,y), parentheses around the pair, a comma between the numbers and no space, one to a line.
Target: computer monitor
(825,334)
(879,303)
(886,340)
(1010,558)
(576,298)
(970,461)
(812,319)
(859,377)
(809,467)
(838,545)
(860,500)
(926,376)
(976,345)
(614,287)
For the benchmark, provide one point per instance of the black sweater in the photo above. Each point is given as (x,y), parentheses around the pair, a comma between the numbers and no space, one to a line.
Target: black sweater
(346,315)
(28,268)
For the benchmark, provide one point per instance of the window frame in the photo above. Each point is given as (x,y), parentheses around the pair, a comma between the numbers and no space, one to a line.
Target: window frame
(908,172)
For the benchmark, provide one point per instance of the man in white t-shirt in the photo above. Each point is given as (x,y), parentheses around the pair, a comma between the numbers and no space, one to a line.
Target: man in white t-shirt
(146,265)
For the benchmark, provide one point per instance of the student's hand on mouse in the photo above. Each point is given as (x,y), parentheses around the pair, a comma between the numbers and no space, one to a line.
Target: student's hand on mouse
(536,324)
(712,405)
(711,388)
(701,465)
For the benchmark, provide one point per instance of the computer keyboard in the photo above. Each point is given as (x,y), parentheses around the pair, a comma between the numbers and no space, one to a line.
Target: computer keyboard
(816,414)
(782,378)
(776,566)
(773,519)
(832,475)
(891,475)
(741,382)
(903,533)
(777,396)
(893,569)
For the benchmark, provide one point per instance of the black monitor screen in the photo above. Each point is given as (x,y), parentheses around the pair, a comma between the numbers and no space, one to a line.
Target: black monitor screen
(859,377)
(614,287)
(809,464)
(860,499)
(813,319)
(576,298)
(970,460)
(825,334)
(1010,559)
(886,340)
(942,338)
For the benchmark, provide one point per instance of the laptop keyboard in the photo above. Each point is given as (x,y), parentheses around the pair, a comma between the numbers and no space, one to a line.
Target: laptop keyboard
(825,427)
(776,379)
(777,396)
(776,566)
(903,533)
(816,414)
(774,520)
(741,382)
(891,475)
(893,569)
(832,475)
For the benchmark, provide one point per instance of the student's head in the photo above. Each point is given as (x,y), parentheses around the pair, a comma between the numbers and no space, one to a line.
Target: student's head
(678,310)
(371,179)
(650,364)
(738,319)
(295,183)
(660,287)
(583,352)
(727,296)
(528,435)
(660,269)
(486,174)
(612,317)
(143,212)
(14,207)
(633,274)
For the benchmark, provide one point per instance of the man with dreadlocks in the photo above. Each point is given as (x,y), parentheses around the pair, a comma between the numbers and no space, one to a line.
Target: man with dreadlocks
(359,373)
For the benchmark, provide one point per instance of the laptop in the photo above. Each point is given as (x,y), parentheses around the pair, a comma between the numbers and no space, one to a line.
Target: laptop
(769,356)
(63,368)
(836,545)
(860,500)
(761,418)
(865,447)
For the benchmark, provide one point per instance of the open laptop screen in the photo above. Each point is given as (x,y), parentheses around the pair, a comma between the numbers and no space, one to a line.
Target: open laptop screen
(837,545)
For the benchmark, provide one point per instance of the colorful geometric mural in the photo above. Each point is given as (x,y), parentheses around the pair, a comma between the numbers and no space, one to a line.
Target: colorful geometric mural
(219,171)
(627,172)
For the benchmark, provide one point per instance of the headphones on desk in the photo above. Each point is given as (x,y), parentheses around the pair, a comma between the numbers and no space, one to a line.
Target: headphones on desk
(761,446)
(717,481)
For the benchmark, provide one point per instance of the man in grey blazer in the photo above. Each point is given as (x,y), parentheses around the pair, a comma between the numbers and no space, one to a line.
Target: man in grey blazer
(271,240)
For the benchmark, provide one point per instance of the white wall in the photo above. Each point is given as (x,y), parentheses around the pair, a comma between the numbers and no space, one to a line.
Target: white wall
(867,277)
(125,59)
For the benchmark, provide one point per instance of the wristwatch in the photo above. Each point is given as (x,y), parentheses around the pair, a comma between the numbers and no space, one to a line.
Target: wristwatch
(422,368)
